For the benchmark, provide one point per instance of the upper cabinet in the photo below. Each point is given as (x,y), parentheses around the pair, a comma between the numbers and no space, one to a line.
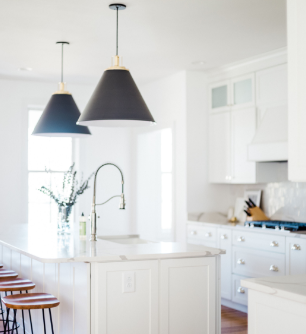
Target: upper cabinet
(236,108)
(220,96)
(238,92)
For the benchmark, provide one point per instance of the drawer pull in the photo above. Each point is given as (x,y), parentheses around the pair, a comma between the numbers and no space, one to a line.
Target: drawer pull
(273,268)
(274,244)
(193,233)
(241,261)
(223,236)
(240,239)
(241,290)
(208,235)
(296,247)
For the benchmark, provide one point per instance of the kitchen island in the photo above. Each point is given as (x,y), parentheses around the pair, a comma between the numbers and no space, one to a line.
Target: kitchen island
(276,304)
(107,287)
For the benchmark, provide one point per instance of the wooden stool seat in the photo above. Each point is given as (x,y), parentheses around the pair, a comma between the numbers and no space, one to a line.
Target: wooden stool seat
(30,301)
(16,284)
(1,265)
(4,273)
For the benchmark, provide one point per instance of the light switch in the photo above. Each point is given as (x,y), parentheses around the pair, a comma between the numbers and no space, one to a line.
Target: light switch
(128,281)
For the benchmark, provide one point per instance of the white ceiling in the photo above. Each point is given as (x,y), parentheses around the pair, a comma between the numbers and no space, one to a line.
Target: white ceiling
(156,37)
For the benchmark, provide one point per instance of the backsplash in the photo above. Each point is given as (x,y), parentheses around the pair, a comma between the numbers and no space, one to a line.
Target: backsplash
(284,200)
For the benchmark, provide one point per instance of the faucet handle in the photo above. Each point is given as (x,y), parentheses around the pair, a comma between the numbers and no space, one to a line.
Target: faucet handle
(122,202)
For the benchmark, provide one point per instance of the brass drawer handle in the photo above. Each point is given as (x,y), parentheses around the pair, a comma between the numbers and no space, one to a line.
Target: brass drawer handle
(296,247)
(273,268)
(241,239)
(193,233)
(223,236)
(240,290)
(208,235)
(240,261)
(274,244)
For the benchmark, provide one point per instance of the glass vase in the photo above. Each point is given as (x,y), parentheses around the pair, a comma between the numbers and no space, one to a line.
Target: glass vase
(64,223)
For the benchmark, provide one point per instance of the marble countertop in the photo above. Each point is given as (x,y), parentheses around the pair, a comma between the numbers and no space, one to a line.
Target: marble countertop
(289,287)
(46,246)
(240,226)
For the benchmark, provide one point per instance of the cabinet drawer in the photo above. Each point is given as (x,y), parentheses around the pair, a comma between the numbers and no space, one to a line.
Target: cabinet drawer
(239,294)
(260,241)
(257,263)
(204,233)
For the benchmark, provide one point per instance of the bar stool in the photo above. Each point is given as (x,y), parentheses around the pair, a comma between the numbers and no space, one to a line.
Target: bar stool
(1,265)
(4,275)
(17,284)
(31,301)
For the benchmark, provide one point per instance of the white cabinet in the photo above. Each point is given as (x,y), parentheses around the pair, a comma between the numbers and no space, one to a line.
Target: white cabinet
(295,256)
(202,235)
(236,92)
(220,147)
(239,293)
(229,135)
(188,291)
(243,127)
(115,311)
(225,242)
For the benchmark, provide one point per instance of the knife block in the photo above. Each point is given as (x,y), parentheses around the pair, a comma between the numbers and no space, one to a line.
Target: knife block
(256,214)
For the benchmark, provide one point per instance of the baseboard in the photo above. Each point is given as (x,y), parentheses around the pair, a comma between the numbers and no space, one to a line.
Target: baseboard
(235,306)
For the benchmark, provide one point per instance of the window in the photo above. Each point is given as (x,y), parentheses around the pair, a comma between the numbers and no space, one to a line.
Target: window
(48,159)
(166,179)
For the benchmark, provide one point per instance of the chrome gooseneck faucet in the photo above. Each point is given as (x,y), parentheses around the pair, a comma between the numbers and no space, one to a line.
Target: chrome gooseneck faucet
(93,216)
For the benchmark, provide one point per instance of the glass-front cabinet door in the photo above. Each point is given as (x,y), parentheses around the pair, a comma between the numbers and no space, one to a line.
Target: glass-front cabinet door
(219,96)
(243,91)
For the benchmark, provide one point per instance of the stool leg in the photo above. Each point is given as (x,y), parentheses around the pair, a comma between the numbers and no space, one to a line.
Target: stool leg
(15,322)
(43,312)
(51,321)
(1,308)
(7,319)
(30,319)
(23,319)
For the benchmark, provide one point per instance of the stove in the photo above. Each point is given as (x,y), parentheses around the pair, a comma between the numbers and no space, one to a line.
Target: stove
(277,225)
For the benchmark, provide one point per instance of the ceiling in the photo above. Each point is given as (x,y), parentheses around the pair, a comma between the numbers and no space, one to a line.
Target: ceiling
(156,37)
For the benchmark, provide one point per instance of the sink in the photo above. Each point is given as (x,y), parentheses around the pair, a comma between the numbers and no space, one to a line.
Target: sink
(132,239)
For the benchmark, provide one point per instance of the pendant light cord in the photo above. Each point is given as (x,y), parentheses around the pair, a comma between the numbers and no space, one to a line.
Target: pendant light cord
(117,34)
(62,71)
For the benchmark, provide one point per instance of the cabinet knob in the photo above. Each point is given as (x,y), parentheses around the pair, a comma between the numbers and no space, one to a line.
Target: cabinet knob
(223,236)
(241,239)
(193,232)
(296,247)
(241,261)
(208,235)
(273,268)
(240,290)
(274,244)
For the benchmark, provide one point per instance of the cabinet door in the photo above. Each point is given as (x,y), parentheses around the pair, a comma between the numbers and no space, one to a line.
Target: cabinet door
(219,147)
(243,130)
(295,256)
(116,309)
(225,242)
(219,96)
(188,290)
(243,91)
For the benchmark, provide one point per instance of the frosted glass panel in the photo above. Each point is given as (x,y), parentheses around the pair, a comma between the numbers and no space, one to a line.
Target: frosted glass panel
(243,91)
(219,97)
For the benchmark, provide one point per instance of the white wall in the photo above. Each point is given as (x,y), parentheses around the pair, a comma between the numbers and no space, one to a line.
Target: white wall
(166,100)
(105,145)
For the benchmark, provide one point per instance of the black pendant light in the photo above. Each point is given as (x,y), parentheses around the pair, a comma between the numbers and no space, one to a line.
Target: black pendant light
(116,100)
(61,114)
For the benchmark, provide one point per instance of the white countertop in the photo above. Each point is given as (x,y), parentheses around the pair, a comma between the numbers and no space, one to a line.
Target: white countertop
(45,246)
(241,227)
(288,287)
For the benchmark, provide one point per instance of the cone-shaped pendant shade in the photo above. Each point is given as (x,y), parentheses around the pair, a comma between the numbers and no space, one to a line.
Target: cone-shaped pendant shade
(117,102)
(59,119)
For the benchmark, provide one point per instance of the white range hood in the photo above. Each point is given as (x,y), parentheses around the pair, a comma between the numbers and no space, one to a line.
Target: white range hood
(270,142)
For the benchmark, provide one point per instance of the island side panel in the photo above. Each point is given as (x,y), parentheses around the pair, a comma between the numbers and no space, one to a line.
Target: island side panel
(188,292)
(69,282)
(115,311)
